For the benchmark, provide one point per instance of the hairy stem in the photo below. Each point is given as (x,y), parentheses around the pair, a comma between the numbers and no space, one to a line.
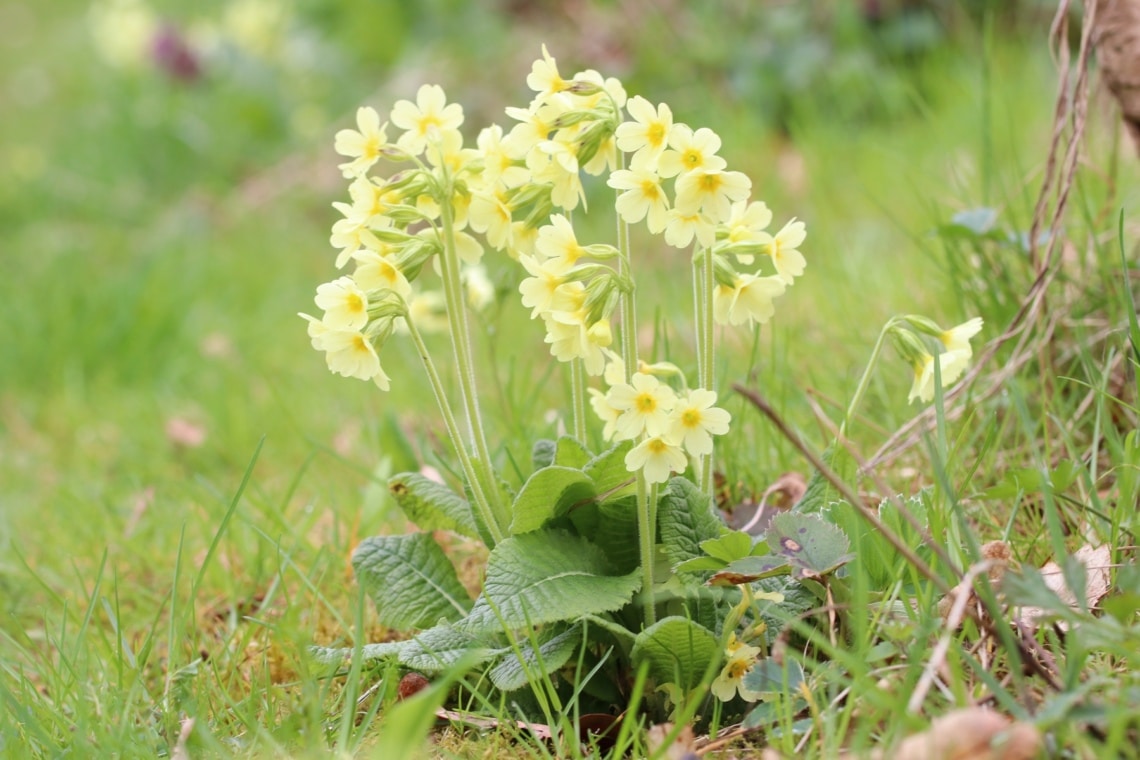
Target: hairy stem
(481,503)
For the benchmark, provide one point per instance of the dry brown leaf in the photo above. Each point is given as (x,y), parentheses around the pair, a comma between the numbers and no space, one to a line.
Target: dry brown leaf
(788,489)
(1097,561)
(681,748)
(182,432)
(972,733)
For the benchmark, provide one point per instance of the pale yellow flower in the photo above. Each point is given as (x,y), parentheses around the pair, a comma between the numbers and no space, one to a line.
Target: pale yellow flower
(683,227)
(958,338)
(523,239)
(480,289)
(544,78)
(539,289)
(689,151)
(558,241)
(534,126)
(615,368)
(376,272)
(555,163)
(695,421)
(570,338)
(750,300)
(490,214)
(350,354)
(746,224)
(363,144)
(648,134)
(345,304)
(606,413)
(730,682)
(500,159)
(605,160)
(783,247)
(747,220)
(645,403)
(643,197)
(713,191)
(428,310)
(425,119)
(657,457)
(951,365)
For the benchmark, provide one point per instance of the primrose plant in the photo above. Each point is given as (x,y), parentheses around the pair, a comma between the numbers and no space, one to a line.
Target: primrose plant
(598,562)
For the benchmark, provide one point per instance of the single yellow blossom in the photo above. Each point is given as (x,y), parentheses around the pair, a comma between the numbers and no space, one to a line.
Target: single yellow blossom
(689,151)
(750,300)
(644,197)
(713,191)
(645,403)
(344,303)
(426,119)
(695,421)
(648,134)
(363,144)
(656,457)
(730,682)
(783,247)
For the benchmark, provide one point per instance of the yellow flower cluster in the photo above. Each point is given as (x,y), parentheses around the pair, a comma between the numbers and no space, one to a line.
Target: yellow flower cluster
(667,425)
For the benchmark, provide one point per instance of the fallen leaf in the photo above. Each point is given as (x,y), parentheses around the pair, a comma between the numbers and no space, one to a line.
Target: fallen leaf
(182,432)
(786,491)
(973,733)
(681,748)
(1097,561)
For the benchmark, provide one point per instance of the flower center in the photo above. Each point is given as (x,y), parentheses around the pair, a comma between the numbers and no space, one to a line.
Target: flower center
(645,403)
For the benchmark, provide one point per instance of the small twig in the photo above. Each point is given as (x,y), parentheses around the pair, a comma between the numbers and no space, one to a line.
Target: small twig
(963,592)
(853,498)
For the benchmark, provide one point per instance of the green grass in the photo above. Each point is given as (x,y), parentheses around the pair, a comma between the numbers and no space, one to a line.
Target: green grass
(159,239)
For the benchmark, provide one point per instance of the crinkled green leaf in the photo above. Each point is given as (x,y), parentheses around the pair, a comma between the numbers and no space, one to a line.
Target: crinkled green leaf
(804,544)
(549,493)
(432,505)
(569,452)
(410,579)
(609,473)
(769,677)
(678,651)
(729,547)
(812,545)
(510,674)
(616,534)
(685,518)
(819,491)
(336,657)
(438,648)
(544,576)
(879,558)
